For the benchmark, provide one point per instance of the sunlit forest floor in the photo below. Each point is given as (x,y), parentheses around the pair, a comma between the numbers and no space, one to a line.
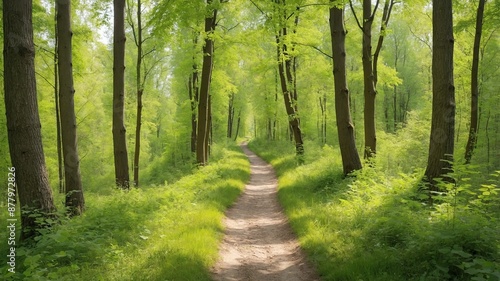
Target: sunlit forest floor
(376,225)
(164,232)
(379,225)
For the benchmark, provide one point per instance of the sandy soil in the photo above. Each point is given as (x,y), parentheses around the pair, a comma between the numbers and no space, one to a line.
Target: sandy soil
(259,243)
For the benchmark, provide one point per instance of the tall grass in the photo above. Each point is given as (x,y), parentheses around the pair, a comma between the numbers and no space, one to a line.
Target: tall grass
(377,225)
(167,232)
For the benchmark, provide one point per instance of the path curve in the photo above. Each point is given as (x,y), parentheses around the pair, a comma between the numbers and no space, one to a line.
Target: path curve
(259,244)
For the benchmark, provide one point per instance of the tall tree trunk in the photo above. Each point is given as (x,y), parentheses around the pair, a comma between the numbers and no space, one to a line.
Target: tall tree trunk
(119,132)
(230,116)
(345,128)
(193,95)
(206,75)
(471,143)
(369,82)
(441,146)
(286,67)
(140,92)
(285,74)
(23,121)
(237,125)
(74,192)
(60,164)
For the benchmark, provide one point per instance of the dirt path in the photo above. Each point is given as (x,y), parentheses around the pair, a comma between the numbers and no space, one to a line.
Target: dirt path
(259,243)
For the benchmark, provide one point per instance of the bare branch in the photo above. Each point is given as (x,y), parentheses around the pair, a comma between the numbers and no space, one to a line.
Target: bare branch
(355,16)
(316,48)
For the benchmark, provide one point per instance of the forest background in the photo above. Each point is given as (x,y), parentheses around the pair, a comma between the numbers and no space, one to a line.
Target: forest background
(247,102)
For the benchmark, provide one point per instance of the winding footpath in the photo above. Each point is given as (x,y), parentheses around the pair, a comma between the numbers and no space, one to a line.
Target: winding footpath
(259,244)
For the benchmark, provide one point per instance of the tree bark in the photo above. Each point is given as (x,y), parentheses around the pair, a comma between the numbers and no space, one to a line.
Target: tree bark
(345,128)
(119,131)
(285,71)
(471,142)
(60,165)
(230,116)
(140,92)
(75,201)
(441,146)
(23,121)
(193,95)
(206,75)
(369,82)
(237,126)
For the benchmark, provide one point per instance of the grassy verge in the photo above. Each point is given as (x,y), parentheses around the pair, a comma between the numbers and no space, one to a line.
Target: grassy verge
(378,226)
(168,232)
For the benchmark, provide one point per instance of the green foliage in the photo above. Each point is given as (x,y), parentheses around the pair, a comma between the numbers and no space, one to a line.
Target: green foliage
(373,226)
(166,232)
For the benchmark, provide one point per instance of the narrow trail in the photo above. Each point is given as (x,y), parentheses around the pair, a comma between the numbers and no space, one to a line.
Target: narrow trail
(259,244)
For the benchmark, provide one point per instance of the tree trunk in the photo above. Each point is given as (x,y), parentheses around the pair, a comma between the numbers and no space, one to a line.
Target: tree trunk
(23,121)
(74,192)
(60,164)
(193,96)
(119,132)
(230,116)
(471,143)
(369,82)
(140,92)
(206,75)
(345,128)
(237,125)
(285,75)
(441,146)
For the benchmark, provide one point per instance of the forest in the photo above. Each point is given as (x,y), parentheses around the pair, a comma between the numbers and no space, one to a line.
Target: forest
(124,126)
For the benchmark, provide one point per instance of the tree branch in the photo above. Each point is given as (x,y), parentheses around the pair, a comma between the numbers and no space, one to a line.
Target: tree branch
(355,16)
(316,48)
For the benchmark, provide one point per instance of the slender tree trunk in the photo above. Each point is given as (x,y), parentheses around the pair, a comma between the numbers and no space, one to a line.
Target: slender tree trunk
(23,121)
(230,116)
(60,164)
(284,73)
(369,82)
(441,146)
(471,143)
(487,135)
(345,128)
(119,132)
(193,95)
(237,126)
(206,75)
(74,191)
(140,92)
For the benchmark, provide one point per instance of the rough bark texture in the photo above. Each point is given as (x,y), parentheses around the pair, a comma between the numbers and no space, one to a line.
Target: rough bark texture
(471,143)
(203,104)
(345,128)
(74,190)
(23,121)
(443,94)
(140,92)
(119,132)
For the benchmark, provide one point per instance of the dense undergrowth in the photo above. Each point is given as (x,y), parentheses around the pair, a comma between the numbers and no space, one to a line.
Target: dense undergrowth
(377,225)
(163,232)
